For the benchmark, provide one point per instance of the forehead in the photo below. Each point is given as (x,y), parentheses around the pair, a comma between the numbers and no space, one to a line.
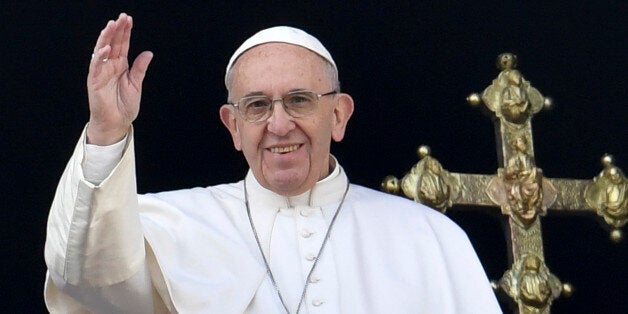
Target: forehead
(272,64)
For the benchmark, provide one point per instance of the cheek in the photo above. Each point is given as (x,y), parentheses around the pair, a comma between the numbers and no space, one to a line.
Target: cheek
(249,138)
(321,135)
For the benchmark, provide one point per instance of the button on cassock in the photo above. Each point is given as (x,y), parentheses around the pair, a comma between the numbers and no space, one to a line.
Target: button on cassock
(318,302)
(310,257)
(305,233)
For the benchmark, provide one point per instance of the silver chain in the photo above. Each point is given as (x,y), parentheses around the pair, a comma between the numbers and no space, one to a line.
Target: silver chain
(316,259)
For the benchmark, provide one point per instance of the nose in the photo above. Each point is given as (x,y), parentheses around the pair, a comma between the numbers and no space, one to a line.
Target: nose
(280,122)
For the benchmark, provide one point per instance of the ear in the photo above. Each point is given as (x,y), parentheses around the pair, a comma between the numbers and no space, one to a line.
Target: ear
(342,113)
(228,118)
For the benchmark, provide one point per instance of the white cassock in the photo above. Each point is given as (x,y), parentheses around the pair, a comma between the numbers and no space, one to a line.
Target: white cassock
(109,250)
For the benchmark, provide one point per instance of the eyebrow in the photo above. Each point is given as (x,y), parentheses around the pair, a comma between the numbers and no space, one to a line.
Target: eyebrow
(254,94)
(259,93)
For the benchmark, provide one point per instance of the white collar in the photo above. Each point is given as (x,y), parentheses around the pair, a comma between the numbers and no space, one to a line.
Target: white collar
(326,191)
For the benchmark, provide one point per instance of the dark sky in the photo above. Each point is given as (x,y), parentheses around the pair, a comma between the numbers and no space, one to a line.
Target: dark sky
(409,68)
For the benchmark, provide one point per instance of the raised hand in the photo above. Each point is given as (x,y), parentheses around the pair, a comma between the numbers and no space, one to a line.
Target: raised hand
(114,90)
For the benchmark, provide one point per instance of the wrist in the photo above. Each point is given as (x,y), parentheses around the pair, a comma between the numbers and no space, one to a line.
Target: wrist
(100,137)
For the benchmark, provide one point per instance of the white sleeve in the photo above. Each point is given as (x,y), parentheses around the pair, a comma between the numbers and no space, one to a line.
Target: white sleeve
(95,250)
(99,161)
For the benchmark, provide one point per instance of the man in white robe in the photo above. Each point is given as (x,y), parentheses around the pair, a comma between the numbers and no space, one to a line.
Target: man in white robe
(293,236)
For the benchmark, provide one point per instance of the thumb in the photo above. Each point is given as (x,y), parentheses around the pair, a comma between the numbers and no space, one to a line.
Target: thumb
(138,70)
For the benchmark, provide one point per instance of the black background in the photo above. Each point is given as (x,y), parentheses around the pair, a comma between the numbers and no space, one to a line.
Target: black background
(409,68)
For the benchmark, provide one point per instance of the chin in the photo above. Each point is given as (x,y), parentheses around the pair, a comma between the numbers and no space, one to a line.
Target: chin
(287,185)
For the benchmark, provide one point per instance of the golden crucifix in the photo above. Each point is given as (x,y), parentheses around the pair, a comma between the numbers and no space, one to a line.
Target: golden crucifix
(518,188)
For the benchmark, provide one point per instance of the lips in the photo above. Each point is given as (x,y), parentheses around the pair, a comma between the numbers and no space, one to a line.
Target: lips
(284,149)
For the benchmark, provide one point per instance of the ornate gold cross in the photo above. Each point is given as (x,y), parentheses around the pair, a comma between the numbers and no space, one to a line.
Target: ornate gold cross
(518,188)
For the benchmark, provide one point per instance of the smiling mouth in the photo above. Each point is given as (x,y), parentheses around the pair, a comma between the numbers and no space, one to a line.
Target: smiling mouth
(284,149)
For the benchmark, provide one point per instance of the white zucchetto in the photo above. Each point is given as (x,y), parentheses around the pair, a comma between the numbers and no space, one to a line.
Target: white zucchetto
(282,34)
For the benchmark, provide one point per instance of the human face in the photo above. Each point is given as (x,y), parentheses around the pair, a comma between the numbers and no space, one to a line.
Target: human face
(287,155)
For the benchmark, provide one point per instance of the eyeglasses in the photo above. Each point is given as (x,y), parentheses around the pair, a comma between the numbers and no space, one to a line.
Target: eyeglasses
(297,104)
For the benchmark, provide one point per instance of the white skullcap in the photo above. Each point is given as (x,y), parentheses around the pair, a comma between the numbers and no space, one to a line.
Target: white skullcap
(282,34)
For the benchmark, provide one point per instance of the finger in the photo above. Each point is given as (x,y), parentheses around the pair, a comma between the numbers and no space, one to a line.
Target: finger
(126,38)
(105,35)
(138,70)
(99,58)
(122,36)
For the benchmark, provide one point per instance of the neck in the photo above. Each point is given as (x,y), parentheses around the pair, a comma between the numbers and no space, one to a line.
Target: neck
(325,191)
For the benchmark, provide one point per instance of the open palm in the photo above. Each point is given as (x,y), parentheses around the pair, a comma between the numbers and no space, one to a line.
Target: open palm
(114,90)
